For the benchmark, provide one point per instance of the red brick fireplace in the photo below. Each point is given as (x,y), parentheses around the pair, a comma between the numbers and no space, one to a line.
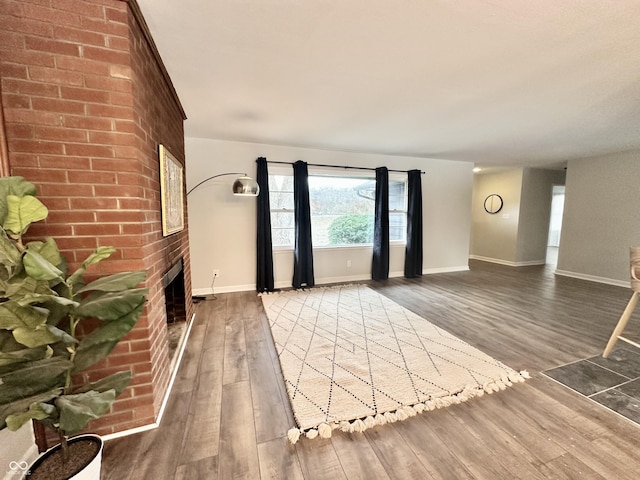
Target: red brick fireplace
(86,101)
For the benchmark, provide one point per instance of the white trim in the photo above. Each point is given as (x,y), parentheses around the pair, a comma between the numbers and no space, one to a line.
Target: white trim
(156,424)
(328,280)
(196,292)
(592,278)
(351,278)
(508,263)
(431,271)
(324,280)
(175,370)
(131,431)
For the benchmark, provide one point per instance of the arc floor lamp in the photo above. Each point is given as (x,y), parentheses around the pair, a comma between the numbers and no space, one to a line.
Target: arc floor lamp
(243,185)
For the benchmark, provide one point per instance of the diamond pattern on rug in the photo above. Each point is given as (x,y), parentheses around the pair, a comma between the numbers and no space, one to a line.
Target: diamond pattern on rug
(352,358)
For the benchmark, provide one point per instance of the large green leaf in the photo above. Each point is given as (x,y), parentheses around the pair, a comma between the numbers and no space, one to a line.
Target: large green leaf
(57,312)
(37,298)
(13,186)
(100,254)
(39,372)
(9,254)
(21,405)
(111,305)
(41,335)
(22,356)
(116,282)
(22,284)
(89,356)
(36,411)
(40,268)
(76,410)
(22,212)
(117,382)
(8,343)
(97,345)
(13,316)
(47,249)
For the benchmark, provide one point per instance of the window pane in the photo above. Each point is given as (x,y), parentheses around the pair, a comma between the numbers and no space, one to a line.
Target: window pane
(397,226)
(281,196)
(282,219)
(282,228)
(397,198)
(278,200)
(341,210)
(355,229)
(280,183)
(282,237)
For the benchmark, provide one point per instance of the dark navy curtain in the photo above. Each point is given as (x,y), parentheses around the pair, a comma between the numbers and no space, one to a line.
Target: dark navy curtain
(264,277)
(380,264)
(303,249)
(413,252)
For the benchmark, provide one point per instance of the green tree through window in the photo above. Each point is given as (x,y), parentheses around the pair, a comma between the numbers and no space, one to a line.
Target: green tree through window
(342,210)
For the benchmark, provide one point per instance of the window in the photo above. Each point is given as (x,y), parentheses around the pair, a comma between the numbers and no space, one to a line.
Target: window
(281,202)
(342,209)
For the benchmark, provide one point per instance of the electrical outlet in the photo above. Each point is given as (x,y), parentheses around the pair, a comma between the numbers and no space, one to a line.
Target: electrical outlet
(216,273)
(348,263)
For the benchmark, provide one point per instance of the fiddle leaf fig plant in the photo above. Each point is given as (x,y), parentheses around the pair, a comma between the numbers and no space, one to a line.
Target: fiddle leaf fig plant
(42,307)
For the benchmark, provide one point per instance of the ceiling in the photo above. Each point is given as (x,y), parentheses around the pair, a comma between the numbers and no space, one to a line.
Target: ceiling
(495,82)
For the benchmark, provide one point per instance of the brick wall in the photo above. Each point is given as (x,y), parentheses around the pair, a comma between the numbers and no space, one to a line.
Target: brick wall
(86,103)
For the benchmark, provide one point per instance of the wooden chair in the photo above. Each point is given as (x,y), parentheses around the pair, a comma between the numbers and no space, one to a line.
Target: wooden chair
(634,254)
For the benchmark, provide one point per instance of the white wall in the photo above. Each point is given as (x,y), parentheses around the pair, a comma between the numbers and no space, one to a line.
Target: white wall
(222,227)
(17,449)
(535,213)
(517,235)
(601,217)
(494,236)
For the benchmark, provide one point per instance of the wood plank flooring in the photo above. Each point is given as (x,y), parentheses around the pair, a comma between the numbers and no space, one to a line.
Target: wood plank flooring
(228,413)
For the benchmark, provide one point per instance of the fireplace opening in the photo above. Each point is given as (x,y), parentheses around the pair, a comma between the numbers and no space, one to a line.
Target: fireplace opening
(175,305)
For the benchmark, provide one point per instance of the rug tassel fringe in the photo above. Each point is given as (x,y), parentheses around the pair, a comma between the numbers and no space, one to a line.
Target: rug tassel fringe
(324,430)
(294,435)
(359,425)
(370,422)
(307,289)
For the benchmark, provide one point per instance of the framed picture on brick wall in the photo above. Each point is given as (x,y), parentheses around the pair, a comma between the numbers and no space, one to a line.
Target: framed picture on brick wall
(171,192)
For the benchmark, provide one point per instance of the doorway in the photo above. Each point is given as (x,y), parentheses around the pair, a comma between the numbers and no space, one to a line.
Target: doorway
(555,224)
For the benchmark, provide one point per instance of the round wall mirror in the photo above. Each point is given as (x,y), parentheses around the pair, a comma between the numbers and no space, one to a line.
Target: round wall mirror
(493,203)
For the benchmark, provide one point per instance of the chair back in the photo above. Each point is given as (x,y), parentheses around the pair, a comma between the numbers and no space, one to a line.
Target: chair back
(634,254)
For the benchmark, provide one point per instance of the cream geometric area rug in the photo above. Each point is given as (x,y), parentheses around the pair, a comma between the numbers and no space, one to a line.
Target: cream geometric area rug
(353,359)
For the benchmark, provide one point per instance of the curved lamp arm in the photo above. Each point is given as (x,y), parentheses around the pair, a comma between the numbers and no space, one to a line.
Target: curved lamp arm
(243,180)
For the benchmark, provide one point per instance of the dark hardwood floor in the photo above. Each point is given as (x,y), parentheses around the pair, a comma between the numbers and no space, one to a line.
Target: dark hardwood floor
(228,413)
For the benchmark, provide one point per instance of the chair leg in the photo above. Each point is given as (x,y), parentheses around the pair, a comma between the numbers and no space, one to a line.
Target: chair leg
(622,323)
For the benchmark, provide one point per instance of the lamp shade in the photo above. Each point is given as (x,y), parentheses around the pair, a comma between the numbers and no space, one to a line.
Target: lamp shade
(246,186)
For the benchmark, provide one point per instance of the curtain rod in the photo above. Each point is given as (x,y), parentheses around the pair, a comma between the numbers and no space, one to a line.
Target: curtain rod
(342,166)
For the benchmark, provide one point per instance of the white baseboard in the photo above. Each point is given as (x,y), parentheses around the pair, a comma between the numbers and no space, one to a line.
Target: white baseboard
(431,271)
(197,292)
(323,281)
(508,263)
(593,278)
(174,372)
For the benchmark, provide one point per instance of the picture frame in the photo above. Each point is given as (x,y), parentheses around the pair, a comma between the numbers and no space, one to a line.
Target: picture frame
(171,192)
